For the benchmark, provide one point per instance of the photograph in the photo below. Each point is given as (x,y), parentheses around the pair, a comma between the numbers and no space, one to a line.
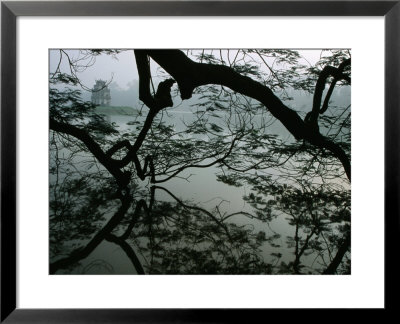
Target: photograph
(217,147)
(199,161)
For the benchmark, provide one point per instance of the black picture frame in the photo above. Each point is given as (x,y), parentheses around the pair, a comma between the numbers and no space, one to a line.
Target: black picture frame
(11,10)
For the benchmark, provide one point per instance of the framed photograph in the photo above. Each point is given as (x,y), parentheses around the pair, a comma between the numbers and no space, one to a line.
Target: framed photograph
(197,161)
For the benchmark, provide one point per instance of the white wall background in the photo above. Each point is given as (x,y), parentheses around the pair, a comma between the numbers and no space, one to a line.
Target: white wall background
(364,288)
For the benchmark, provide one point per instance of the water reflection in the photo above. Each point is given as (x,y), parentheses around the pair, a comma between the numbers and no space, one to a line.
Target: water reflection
(213,186)
(200,226)
(157,236)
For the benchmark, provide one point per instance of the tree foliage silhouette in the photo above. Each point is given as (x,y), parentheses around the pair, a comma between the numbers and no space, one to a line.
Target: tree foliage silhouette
(97,170)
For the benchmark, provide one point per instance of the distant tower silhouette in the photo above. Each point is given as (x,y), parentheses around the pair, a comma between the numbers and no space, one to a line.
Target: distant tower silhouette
(101,94)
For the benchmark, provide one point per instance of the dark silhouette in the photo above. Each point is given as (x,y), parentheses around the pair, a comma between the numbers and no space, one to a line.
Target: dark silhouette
(104,182)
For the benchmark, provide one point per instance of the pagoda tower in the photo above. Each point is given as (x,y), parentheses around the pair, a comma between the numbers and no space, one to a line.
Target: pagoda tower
(101,94)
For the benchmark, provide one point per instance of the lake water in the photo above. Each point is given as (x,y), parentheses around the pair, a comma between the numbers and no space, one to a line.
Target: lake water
(204,191)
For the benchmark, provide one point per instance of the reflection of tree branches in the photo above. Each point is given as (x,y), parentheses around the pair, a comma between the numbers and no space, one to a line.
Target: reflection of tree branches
(128,250)
(105,232)
(220,223)
(242,145)
(343,249)
(312,210)
(105,158)
(298,254)
(98,263)
(82,253)
(185,231)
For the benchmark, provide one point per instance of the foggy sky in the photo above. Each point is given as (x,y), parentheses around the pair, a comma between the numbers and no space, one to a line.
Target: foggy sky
(120,70)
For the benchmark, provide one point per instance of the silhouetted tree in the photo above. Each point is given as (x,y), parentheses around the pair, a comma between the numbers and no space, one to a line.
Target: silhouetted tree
(96,170)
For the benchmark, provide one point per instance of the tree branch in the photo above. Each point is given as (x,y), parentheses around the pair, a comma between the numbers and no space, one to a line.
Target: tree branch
(115,148)
(327,71)
(162,98)
(188,166)
(121,177)
(190,75)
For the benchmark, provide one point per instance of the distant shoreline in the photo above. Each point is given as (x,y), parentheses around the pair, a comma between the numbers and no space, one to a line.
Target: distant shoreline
(116,110)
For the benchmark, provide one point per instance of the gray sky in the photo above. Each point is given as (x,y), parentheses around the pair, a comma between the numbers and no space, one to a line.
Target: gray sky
(121,68)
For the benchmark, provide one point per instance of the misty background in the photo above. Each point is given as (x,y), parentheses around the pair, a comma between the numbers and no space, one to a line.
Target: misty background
(120,73)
